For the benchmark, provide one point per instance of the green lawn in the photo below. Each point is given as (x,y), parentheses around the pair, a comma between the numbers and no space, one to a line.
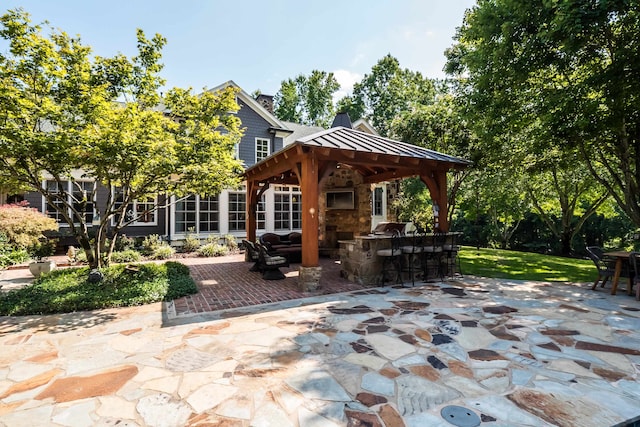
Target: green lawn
(504,264)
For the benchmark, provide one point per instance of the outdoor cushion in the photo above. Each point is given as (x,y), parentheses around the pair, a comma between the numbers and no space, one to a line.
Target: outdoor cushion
(274,260)
(389,252)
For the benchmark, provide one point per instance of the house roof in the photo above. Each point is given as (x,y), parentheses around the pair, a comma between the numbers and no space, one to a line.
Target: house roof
(364,126)
(254,105)
(299,131)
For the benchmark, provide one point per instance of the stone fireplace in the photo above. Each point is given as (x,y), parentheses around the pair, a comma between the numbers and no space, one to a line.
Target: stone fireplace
(344,223)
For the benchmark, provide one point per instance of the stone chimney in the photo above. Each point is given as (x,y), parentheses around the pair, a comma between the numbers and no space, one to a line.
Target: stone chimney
(266,101)
(342,119)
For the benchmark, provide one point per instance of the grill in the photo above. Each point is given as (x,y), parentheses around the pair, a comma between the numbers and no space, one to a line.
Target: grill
(389,228)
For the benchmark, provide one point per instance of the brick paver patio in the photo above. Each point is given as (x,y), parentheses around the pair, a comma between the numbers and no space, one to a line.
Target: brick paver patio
(227,283)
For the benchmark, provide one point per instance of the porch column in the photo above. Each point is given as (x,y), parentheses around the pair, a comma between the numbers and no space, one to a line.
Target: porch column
(310,223)
(252,204)
(436,182)
(310,270)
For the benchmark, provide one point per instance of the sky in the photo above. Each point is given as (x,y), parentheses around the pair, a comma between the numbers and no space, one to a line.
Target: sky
(258,44)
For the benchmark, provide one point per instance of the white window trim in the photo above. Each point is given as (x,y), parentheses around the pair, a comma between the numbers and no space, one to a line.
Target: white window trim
(376,219)
(69,191)
(139,223)
(268,143)
(177,235)
(292,191)
(242,191)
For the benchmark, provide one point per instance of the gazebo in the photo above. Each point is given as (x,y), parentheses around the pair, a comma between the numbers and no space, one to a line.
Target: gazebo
(310,161)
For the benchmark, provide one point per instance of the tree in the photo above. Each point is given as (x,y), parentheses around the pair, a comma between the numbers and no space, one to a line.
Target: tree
(387,91)
(439,126)
(288,105)
(574,66)
(67,116)
(307,100)
(564,197)
(352,106)
(497,194)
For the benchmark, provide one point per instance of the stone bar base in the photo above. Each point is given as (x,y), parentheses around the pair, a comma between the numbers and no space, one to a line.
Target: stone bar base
(309,278)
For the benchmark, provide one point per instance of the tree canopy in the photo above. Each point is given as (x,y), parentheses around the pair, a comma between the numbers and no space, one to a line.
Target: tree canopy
(386,92)
(307,99)
(571,69)
(68,116)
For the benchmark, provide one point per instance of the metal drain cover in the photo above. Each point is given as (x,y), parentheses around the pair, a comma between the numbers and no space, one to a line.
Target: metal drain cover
(460,416)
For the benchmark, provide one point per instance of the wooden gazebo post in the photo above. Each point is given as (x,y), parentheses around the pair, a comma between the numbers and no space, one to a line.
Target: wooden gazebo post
(252,203)
(310,270)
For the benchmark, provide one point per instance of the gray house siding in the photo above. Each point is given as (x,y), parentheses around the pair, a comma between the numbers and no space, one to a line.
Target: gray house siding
(255,127)
(36,200)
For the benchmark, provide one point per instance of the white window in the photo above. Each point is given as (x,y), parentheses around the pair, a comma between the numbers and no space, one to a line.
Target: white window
(287,208)
(377,201)
(237,211)
(261,214)
(186,214)
(208,214)
(141,212)
(78,194)
(198,213)
(262,149)
(53,209)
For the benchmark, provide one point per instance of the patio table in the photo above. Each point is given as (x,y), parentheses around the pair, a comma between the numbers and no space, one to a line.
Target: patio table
(621,257)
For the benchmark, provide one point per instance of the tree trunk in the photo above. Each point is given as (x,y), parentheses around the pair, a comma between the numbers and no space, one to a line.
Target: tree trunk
(565,242)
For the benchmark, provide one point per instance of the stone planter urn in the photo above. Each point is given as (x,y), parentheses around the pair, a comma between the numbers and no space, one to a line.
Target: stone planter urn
(38,267)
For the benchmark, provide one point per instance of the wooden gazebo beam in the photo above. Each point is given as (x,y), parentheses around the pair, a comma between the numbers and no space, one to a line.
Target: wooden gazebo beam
(436,182)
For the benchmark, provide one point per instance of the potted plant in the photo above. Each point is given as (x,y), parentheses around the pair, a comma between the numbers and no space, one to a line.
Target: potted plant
(40,253)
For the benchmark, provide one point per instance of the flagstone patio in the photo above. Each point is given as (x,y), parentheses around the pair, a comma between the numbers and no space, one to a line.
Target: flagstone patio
(465,352)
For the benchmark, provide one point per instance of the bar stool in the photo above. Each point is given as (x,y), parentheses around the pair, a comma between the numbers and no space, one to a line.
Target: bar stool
(451,249)
(414,253)
(391,259)
(433,254)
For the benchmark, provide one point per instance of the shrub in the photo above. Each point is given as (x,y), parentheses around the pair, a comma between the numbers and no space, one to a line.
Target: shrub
(81,256)
(43,248)
(231,242)
(191,242)
(129,255)
(150,243)
(124,243)
(24,226)
(213,238)
(68,290)
(163,252)
(212,249)
(9,254)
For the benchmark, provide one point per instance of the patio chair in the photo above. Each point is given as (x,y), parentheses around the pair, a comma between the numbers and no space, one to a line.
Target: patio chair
(270,264)
(451,249)
(634,260)
(254,254)
(413,253)
(434,246)
(391,259)
(606,266)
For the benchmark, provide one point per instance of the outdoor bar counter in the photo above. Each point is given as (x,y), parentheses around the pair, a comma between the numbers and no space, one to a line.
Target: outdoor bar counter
(359,259)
